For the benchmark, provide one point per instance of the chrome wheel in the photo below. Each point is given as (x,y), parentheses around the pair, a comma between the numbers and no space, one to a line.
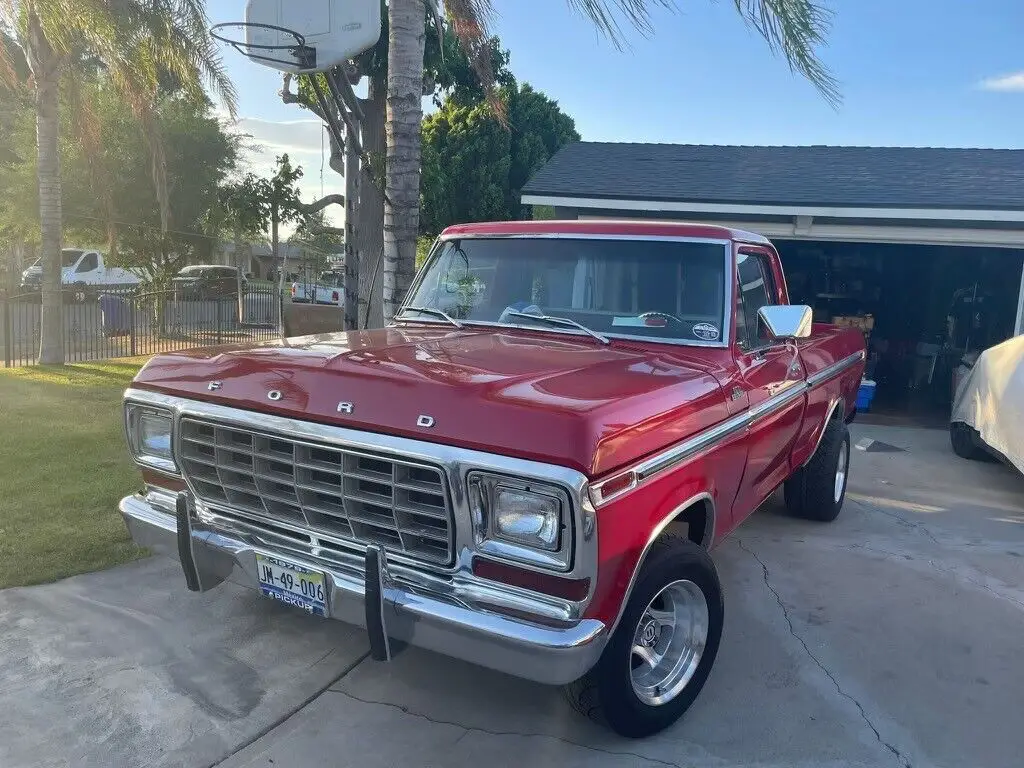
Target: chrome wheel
(668,642)
(840,472)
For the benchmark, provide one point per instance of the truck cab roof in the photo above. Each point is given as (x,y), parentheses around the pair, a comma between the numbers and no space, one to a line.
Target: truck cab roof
(603,227)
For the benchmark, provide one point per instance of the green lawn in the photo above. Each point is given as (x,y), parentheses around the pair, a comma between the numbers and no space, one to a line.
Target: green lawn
(63,468)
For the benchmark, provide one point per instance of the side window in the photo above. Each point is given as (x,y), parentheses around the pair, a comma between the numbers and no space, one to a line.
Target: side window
(88,263)
(756,289)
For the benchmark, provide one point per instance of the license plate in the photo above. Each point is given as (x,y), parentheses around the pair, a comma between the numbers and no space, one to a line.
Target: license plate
(292,584)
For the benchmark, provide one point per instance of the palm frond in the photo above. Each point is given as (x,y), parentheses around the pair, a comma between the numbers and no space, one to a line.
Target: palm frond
(605,14)
(796,29)
(470,22)
(189,33)
(8,65)
(793,28)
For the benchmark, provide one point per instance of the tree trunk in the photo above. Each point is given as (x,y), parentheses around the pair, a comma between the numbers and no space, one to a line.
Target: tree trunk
(275,226)
(238,277)
(369,219)
(407,21)
(47,81)
(351,285)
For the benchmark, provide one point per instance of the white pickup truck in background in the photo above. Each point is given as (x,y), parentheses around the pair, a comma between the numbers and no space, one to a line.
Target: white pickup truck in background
(328,288)
(81,269)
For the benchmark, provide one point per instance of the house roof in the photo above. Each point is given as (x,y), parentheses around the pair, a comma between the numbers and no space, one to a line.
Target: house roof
(884,177)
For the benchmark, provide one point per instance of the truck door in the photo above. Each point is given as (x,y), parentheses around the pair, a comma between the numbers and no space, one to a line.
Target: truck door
(772,376)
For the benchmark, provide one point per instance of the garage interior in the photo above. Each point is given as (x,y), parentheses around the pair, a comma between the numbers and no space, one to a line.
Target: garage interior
(921,248)
(922,308)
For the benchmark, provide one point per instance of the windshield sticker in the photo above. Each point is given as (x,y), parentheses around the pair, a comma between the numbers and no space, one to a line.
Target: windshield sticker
(628,322)
(706,331)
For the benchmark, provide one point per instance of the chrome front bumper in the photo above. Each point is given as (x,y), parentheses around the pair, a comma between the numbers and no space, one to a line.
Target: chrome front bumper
(447,619)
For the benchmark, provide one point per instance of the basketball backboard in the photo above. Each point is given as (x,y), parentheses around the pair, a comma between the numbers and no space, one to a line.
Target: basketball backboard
(305,35)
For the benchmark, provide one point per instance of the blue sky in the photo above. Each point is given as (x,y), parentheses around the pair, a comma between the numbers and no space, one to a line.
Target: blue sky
(912,73)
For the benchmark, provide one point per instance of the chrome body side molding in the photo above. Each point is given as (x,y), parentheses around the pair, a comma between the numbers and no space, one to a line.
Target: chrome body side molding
(629,480)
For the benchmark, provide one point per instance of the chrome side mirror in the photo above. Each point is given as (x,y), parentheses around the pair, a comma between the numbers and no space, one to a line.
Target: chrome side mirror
(786,321)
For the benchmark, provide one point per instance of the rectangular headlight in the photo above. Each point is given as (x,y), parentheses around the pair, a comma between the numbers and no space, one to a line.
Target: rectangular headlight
(521,521)
(150,436)
(528,518)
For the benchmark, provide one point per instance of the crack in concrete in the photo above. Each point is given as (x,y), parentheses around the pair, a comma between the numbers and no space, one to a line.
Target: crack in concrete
(294,710)
(471,728)
(950,571)
(903,761)
(912,524)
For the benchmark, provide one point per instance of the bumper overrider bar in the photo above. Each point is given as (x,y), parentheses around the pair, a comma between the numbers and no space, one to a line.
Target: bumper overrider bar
(393,612)
(398,601)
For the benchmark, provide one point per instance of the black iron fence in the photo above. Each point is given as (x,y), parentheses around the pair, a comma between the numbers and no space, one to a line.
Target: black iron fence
(127,321)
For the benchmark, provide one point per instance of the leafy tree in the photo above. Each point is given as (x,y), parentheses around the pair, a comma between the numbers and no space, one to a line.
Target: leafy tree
(475,162)
(144,47)
(281,195)
(241,214)
(794,28)
(108,194)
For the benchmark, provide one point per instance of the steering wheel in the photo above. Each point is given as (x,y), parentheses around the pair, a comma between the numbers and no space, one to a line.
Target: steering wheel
(665,315)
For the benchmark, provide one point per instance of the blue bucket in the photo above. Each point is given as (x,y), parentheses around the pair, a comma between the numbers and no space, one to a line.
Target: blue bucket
(865,394)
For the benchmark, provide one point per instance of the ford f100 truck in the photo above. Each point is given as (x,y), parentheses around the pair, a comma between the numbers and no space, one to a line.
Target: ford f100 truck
(528,468)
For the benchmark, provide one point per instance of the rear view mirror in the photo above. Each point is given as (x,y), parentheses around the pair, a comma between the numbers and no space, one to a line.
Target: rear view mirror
(786,321)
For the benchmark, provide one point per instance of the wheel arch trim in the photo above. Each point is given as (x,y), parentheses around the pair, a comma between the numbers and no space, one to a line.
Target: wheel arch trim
(837,403)
(704,498)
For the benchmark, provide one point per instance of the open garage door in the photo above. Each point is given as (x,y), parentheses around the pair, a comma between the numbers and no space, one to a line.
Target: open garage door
(923,308)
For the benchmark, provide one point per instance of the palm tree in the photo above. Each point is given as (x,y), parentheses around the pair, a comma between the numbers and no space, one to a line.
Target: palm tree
(793,28)
(143,46)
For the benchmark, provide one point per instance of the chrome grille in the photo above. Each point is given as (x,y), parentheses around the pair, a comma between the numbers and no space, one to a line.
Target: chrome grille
(349,494)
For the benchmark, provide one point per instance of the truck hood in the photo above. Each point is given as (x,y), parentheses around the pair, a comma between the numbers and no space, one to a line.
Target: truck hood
(575,403)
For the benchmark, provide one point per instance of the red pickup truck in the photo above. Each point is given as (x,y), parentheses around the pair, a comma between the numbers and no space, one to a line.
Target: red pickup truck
(528,468)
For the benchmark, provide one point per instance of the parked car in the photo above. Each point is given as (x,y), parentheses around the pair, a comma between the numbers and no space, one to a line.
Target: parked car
(83,273)
(988,407)
(528,469)
(329,288)
(207,281)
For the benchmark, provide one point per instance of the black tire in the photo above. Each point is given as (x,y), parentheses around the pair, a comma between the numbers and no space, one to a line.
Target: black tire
(606,693)
(966,442)
(811,491)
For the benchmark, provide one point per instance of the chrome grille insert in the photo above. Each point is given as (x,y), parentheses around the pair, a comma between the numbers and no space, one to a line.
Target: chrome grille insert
(350,494)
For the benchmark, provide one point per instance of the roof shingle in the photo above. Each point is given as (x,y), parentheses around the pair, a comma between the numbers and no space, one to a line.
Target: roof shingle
(890,177)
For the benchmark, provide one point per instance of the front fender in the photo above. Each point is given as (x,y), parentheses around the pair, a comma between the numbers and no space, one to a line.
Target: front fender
(629,523)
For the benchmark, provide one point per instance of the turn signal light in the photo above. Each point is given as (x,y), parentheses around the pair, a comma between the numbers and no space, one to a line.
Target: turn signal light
(548,584)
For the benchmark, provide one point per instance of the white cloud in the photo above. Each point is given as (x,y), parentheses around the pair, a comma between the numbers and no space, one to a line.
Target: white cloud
(301,140)
(1011,82)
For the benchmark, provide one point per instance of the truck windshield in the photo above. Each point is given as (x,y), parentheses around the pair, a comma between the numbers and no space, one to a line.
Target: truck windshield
(657,289)
(70,256)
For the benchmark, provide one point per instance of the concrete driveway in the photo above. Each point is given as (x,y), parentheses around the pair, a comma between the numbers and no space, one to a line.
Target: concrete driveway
(889,638)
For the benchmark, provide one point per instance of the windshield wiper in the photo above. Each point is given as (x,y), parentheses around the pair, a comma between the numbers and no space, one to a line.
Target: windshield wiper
(561,321)
(430,311)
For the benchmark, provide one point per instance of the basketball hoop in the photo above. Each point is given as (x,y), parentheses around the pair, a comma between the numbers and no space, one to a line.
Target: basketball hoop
(303,36)
(303,57)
